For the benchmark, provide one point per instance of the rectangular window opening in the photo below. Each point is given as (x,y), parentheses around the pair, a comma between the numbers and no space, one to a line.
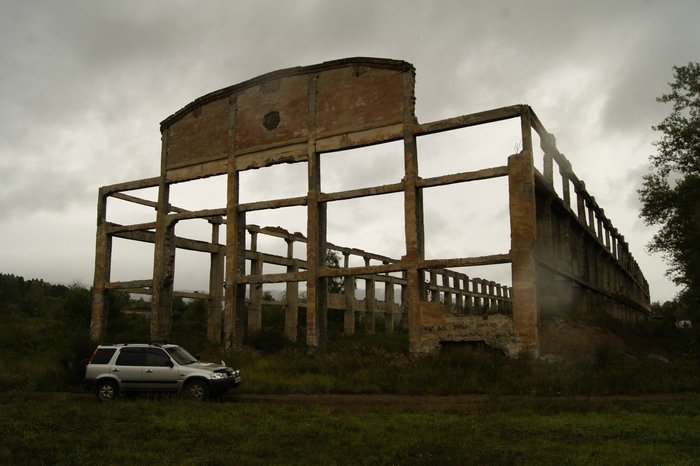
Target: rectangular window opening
(469,149)
(372,224)
(200,194)
(279,181)
(131,260)
(363,167)
(470,290)
(124,212)
(467,219)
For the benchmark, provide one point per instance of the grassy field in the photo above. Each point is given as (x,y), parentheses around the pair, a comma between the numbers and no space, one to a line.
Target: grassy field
(508,410)
(74,429)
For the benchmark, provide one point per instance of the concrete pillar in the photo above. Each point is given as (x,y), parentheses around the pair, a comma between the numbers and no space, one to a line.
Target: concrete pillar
(413,217)
(468,295)
(404,295)
(447,295)
(479,302)
(349,295)
(370,302)
(523,228)
(548,168)
(580,203)
(163,272)
(103,265)
(235,315)
(389,313)
(255,294)
(316,287)
(291,312)
(459,295)
(566,191)
(216,288)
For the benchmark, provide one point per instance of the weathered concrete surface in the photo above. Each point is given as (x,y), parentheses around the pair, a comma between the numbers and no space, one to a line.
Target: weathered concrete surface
(437,325)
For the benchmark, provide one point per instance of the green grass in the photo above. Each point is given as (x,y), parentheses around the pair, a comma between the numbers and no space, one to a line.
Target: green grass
(72,429)
(368,364)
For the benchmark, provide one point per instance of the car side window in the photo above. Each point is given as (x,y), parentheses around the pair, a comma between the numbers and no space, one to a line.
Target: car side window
(103,356)
(130,357)
(156,358)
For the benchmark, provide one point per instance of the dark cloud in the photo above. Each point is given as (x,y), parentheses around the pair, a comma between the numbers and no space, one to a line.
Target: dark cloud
(84,84)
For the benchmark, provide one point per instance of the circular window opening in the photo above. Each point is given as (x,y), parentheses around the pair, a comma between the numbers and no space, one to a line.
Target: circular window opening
(271,120)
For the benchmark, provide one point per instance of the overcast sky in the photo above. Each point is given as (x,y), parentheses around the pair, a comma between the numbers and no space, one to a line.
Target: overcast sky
(85,84)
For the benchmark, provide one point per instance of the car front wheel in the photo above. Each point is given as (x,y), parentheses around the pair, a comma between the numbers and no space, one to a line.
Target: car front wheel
(197,390)
(107,390)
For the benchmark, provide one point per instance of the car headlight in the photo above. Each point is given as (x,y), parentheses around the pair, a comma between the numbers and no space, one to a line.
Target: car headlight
(218,375)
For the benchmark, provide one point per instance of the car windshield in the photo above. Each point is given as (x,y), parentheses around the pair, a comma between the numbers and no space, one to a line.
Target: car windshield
(181,355)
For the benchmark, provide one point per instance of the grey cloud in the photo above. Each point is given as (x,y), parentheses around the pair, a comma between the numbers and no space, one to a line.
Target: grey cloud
(84,84)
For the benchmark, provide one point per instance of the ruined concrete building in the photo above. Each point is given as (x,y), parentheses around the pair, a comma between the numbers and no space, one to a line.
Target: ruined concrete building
(565,254)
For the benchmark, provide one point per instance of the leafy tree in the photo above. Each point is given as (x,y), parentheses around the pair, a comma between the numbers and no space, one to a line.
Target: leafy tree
(335,284)
(670,193)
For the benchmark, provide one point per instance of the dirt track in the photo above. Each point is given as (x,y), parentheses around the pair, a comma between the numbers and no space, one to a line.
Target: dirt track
(431,402)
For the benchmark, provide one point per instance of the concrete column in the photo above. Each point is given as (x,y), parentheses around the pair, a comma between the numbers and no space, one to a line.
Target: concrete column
(447,294)
(103,265)
(413,217)
(216,288)
(255,294)
(523,228)
(163,257)
(566,191)
(459,295)
(469,295)
(580,203)
(404,295)
(548,168)
(163,273)
(349,294)
(390,305)
(370,302)
(291,312)
(316,287)
(478,300)
(235,315)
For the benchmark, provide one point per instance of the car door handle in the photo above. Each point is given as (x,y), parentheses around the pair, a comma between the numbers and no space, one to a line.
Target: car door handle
(115,370)
(149,370)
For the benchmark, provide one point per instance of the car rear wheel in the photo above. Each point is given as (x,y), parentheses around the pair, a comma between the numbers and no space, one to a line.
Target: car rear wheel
(107,390)
(197,390)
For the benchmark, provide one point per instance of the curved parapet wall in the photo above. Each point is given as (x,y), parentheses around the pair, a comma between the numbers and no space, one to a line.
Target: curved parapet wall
(270,119)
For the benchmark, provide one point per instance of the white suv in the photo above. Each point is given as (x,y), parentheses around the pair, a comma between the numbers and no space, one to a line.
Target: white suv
(114,369)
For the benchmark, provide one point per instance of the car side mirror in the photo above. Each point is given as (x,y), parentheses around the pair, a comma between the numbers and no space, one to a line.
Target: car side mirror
(169,364)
